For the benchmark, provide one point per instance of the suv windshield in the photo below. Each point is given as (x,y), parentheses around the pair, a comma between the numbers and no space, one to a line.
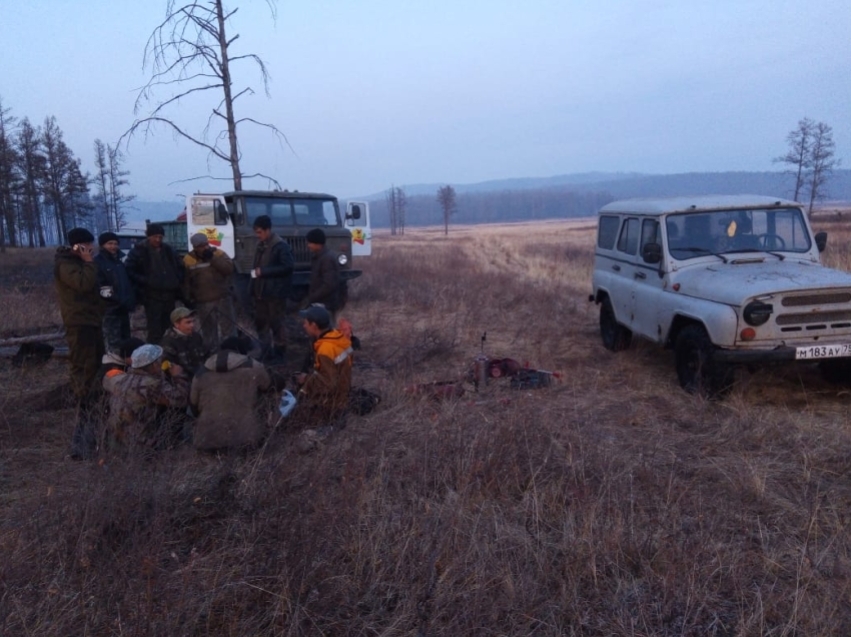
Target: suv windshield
(291,211)
(696,234)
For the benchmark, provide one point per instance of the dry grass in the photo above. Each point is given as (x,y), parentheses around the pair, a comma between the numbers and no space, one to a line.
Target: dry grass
(609,504)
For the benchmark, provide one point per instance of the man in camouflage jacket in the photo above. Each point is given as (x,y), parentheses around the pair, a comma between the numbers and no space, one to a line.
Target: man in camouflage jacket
(139,400)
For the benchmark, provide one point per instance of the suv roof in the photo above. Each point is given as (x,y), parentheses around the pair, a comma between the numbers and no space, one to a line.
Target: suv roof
(665,205)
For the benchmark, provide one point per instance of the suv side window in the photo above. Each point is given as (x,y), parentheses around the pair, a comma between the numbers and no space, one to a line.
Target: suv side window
(649,233)
(628,241)
(607,232)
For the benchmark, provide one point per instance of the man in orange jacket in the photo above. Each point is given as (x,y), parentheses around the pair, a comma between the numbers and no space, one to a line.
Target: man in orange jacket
(325,390)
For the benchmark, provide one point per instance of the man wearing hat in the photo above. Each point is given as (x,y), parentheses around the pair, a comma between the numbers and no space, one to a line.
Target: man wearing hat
(182,344)
(207,288)
(116,290)
(324,392)
(324,274)
(139,399)
(76,278)
(157,272)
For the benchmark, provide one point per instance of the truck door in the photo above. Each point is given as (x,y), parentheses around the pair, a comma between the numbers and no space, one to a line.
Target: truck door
(357,220)
(208,215)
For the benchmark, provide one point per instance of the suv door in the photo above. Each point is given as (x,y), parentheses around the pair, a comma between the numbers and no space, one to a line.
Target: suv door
(648,285)
(624,267)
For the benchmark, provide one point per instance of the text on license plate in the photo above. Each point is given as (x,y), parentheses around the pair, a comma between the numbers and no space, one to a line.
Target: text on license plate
(822,351)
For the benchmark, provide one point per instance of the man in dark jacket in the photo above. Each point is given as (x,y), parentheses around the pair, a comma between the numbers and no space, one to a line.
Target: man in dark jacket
(271,278)
(324,274)
(157,271)
(76,278)
(116,290)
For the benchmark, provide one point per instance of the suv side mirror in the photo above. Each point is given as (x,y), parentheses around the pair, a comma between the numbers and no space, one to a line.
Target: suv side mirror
(651,253)
(821,241)
(355,212)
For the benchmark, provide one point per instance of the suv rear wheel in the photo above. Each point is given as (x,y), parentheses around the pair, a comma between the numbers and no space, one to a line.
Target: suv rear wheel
(615,336)
(697,372)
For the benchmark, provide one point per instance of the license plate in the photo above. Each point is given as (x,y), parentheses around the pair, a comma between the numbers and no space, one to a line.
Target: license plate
(822,351)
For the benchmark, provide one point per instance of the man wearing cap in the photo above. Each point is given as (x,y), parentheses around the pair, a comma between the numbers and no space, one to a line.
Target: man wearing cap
(116,290)
(139,399)
(157,272)
(182,344)
(325,390)
(271,278)
(207,288)
(76,279)
(324,274)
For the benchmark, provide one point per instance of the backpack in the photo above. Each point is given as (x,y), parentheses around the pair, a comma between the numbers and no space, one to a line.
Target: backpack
(362,401)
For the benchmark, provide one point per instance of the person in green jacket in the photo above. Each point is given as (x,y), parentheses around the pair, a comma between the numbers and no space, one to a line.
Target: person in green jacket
(76,278)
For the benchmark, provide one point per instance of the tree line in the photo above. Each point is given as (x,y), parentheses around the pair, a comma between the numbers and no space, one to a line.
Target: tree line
(44,191)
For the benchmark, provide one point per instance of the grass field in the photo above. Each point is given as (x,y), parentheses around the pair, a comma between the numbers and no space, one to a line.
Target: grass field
(611,503)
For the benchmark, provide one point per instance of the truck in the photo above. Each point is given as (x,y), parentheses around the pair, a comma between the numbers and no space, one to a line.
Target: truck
(226,220)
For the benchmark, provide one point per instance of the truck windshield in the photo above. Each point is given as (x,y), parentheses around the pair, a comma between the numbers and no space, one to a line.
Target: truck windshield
(293,211)
(696,234)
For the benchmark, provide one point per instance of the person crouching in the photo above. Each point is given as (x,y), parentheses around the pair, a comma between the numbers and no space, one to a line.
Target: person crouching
(224,395)
(324,392)
(140,398)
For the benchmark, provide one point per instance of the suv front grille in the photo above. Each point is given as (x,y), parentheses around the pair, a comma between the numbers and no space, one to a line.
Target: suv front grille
(815,313)
(816,299)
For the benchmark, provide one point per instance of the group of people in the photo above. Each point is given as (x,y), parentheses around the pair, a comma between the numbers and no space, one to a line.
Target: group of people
(192,363)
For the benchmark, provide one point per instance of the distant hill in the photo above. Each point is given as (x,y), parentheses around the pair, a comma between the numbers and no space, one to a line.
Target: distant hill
(581,195)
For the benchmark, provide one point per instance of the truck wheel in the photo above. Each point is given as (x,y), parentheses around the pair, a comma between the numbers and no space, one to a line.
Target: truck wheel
(697,372)
(615,336)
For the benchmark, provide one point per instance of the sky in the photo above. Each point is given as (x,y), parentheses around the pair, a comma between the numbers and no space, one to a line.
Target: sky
(374,93)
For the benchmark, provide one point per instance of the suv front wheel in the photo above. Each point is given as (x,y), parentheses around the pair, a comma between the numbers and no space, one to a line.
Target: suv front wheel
(697,372)
(615,336)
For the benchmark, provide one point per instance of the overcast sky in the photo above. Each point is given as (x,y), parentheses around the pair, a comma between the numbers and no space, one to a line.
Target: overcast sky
(378,92)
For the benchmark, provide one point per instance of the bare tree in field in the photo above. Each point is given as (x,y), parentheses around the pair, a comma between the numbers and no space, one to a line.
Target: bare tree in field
(396,203)
(190,52)
(446,199)
(822,162)
(797,158)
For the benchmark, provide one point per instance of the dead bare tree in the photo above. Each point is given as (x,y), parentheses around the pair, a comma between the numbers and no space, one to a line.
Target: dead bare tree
(822,162)
(189,53)
(797,158)
(446,199)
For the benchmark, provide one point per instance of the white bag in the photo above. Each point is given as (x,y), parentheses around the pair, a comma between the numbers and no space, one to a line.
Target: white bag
(288,403)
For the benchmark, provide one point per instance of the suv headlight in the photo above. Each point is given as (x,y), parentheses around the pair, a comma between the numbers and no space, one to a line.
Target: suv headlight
(342,259)
(756,312)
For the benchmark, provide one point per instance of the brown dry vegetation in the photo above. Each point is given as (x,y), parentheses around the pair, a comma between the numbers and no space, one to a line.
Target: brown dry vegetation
(609,504)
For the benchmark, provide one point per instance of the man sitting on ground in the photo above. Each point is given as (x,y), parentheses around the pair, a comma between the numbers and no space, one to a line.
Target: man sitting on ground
(224,397)
(324,392)
(139,398)
(182,344)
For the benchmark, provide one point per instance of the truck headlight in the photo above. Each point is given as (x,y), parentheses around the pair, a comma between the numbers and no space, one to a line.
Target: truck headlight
(342,259)
(756,312)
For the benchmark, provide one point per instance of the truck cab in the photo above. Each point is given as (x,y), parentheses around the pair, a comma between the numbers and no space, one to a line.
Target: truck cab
(227,221)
